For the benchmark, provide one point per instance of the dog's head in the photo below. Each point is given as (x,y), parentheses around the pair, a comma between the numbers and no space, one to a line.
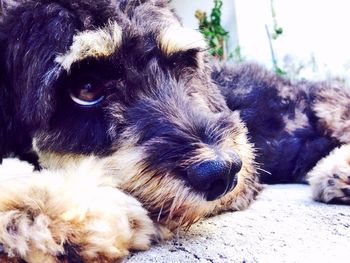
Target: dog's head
(128,84)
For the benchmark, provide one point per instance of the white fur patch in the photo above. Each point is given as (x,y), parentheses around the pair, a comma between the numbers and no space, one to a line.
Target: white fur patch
(176,38)
(92,43)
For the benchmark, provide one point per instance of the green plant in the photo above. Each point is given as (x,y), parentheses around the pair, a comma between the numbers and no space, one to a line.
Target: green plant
(277,32)
(213,31)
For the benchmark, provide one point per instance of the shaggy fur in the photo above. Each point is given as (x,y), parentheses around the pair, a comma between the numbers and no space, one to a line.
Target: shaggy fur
(123,107)
(292,125)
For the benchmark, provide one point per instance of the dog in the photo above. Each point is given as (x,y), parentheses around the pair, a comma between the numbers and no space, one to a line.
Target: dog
(139,133)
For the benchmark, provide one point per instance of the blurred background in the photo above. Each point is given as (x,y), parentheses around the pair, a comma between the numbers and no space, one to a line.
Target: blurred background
(297,38)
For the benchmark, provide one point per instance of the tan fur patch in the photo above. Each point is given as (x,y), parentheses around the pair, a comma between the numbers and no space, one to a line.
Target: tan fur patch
(56,161)
(176,38)
(92,43)
(300,121)
(333,109)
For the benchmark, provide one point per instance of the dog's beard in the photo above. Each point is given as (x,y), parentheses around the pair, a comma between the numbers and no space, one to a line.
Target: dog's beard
(169,201)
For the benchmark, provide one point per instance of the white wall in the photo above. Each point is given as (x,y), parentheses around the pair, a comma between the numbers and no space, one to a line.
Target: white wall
(315,32)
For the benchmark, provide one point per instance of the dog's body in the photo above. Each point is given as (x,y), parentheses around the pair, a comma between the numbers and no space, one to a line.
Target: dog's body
(141,133)
(293,125)
(287,121)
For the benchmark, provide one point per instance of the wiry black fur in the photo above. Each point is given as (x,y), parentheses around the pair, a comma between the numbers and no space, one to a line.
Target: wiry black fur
(285,156)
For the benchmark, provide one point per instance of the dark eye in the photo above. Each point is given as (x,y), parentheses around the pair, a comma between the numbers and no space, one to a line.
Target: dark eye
(88,94)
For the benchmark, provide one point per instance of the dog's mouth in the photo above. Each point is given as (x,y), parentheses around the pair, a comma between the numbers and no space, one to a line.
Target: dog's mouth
(169,201)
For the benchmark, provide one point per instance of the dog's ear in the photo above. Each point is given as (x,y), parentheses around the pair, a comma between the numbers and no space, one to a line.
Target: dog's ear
(36,33)
(30,34)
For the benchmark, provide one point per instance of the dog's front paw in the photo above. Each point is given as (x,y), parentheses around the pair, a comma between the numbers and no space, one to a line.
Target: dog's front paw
(330,178)
(107,226)
(46,218)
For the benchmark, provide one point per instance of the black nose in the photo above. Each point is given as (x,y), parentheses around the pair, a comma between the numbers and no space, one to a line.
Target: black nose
(215,177)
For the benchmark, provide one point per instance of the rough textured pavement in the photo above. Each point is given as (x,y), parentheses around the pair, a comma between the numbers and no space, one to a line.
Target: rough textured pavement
(284,225)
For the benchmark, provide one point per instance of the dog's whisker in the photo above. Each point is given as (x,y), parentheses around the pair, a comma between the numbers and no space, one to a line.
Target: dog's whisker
(263,170)
(160,212)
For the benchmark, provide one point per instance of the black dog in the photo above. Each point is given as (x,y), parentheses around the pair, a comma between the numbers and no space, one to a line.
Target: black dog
(122,105)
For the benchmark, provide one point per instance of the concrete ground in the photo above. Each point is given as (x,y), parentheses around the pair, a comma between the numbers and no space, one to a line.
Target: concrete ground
(283,225)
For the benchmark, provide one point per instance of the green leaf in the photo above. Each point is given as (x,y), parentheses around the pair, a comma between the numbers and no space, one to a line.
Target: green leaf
(279,31)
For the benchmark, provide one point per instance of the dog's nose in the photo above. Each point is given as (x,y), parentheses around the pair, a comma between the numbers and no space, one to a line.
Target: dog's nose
(215,177)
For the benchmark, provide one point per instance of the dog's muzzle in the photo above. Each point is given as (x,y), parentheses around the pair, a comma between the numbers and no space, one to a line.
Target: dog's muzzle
(214,178)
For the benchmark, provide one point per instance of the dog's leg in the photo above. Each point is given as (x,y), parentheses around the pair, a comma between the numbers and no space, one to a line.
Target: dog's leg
(46,216)
(330,178)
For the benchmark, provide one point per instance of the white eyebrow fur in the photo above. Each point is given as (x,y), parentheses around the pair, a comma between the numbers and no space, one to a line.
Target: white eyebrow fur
(176,38)
(92,43)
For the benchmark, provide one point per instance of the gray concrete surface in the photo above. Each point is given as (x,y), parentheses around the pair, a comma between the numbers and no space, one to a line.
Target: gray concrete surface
(283,225)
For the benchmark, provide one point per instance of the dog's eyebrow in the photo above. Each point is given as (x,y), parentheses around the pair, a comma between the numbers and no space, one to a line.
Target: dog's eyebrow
(101,42)
(177,38)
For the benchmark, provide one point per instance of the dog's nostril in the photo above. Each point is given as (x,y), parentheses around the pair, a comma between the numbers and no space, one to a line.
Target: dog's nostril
(236,165)
(217,189)
(214,177)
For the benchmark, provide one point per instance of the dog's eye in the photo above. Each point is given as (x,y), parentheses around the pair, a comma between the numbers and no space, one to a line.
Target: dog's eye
(87,94)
